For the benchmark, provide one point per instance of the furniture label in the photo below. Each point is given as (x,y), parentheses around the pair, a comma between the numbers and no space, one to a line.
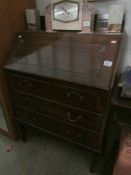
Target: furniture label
(107,63)
(113,42)
(86,23)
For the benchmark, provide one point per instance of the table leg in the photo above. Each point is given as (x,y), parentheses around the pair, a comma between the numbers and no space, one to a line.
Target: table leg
(109,154)
(93,162)
(21,132)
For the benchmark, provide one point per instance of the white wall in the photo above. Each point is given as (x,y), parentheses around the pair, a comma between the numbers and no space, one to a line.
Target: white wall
(102,7)
(41,4)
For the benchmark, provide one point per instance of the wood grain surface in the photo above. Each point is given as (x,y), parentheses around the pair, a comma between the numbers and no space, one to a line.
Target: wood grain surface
(12,20)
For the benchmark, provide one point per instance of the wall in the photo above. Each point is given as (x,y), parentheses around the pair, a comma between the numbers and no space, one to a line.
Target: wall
(102,7)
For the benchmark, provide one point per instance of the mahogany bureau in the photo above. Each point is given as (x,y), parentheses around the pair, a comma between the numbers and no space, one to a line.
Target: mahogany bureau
(60,83)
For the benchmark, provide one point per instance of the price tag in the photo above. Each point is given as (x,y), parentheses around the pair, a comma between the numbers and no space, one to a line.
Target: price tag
(113,42)
(86,23)
(107,63)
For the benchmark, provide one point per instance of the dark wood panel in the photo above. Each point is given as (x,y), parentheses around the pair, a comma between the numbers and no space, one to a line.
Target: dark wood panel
(91,100)
(12,20)
(77,58)
(70,132)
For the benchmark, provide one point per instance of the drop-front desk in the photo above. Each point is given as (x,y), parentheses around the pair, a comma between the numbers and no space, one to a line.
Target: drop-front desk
(60,83)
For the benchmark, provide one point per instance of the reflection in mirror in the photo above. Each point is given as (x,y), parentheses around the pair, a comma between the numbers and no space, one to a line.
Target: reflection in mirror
(3,124)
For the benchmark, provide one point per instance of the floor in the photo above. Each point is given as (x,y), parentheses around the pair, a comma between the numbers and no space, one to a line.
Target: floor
(2,120)
(42,155)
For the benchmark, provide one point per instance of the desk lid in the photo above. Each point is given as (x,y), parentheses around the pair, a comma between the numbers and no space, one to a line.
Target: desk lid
(88,59)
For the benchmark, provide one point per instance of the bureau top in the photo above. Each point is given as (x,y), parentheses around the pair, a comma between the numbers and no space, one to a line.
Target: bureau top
(88,59)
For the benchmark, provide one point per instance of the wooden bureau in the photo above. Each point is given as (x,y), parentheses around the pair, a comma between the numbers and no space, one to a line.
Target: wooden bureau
(61,83)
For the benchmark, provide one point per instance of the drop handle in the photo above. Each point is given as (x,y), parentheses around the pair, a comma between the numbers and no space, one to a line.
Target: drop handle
(81,98)
(77,119)
(70,94)
(24,82)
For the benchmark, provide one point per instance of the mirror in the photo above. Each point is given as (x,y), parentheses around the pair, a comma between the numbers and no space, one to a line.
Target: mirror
(3,124)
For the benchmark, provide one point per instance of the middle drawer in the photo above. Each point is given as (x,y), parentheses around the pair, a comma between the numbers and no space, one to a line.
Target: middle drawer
(59,111)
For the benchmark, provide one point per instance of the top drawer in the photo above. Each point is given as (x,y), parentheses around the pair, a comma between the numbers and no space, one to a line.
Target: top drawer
(92,101)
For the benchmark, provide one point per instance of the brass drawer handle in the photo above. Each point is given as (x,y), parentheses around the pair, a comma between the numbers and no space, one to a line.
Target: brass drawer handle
(81,98)
(77,119)
(24,82)
(70,94)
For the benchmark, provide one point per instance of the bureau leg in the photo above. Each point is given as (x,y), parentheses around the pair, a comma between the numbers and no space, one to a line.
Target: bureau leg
(21,132)
(110,150)
(93,162)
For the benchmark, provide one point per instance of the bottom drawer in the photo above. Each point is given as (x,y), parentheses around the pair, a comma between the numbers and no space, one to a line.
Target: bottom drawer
(69,132)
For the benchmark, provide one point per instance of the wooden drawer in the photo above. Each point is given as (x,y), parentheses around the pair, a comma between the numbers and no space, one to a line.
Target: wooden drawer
(75,134)
(92,101)
(66,113)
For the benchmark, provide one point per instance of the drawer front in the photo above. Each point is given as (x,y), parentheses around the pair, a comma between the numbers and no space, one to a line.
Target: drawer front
(91,101)
(67,131)
(62,112)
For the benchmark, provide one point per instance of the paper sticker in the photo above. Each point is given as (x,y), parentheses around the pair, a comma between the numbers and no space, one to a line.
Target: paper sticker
(107,63)
(86,23)
(113,42)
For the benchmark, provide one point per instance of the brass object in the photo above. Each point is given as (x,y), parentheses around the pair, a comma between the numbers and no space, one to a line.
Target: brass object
(115,27)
